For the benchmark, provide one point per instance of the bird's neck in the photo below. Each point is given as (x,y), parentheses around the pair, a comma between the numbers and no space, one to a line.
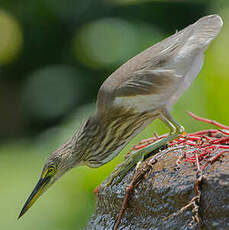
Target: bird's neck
(102,137)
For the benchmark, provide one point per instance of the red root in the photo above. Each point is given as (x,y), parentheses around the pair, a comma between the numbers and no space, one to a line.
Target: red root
(202,144)
(200,148)
(205,120)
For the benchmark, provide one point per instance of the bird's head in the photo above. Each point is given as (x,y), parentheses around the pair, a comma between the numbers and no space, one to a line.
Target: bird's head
(66,157)
(56,165)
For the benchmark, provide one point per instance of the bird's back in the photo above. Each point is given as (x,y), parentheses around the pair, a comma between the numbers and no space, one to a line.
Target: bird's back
(132,96)
(141,82)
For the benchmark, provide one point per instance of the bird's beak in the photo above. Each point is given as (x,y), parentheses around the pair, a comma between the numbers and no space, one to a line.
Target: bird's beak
(37,191)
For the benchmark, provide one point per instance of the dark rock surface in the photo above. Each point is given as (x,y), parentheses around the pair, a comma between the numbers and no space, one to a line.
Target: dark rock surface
(163,191)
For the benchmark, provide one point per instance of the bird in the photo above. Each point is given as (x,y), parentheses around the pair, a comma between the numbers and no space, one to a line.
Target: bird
(143,89)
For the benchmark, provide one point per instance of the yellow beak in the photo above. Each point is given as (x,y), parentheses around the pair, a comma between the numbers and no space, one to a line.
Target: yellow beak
(37,191)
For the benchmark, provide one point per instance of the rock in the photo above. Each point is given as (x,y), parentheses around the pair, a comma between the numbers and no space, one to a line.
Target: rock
(164,190)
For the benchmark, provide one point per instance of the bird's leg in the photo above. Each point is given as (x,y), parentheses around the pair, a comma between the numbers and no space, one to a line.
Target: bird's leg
(175,130)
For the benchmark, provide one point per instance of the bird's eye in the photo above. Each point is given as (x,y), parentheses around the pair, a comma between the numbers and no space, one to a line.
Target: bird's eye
(51,170)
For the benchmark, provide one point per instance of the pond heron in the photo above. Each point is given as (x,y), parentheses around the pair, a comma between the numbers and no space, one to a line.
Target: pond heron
(140,91)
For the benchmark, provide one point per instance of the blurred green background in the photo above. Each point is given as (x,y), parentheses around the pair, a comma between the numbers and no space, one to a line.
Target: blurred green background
(54,55)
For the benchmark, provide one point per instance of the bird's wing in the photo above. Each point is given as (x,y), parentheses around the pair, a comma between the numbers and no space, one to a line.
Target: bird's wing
(147,82)
(143,74)
(153,83)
